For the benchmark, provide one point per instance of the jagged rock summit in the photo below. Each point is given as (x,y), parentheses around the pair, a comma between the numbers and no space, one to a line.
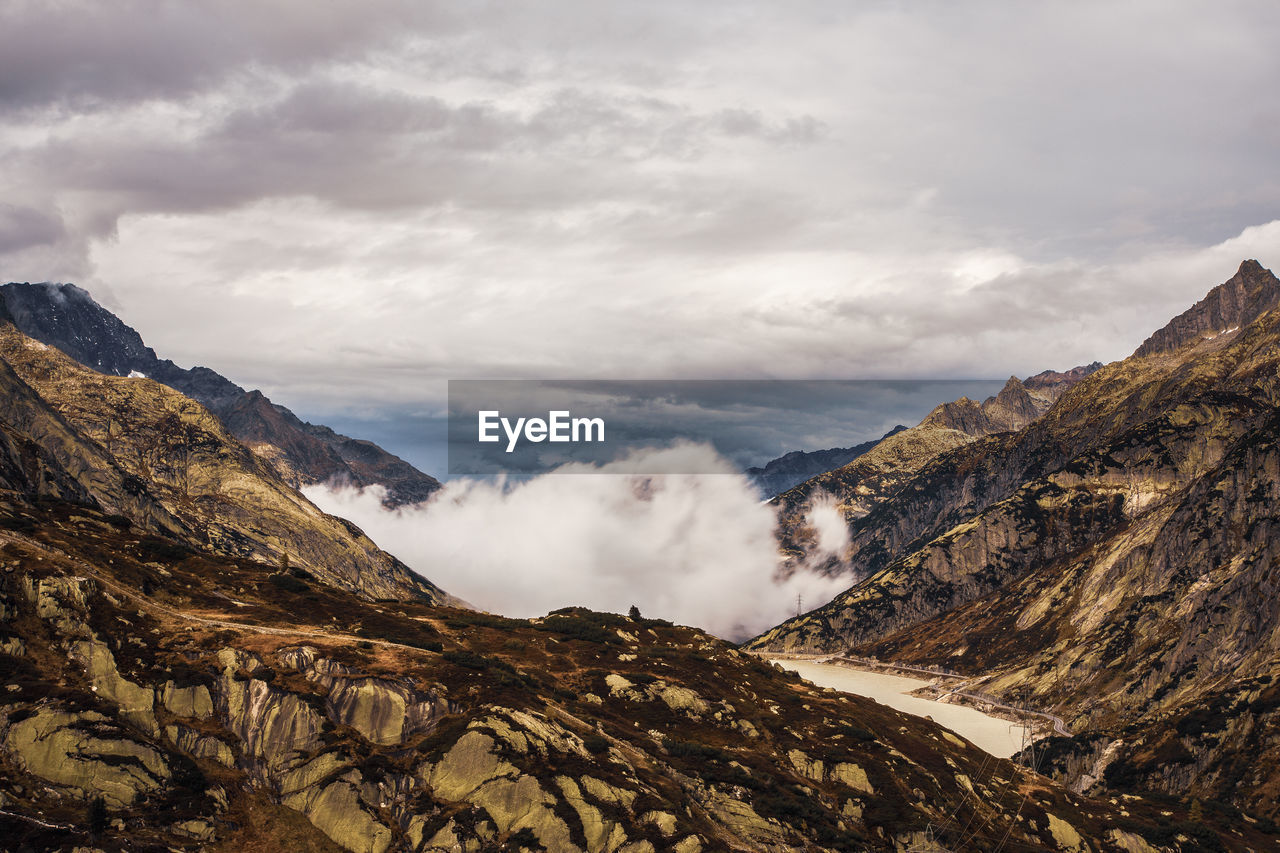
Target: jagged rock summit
(67,317)
(1237,302)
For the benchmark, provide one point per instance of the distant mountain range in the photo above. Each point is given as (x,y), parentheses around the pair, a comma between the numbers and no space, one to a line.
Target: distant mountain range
(1114,559)
(1017,405)
(67,317)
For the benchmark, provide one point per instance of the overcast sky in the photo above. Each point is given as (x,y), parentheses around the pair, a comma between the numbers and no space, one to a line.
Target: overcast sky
(345,204)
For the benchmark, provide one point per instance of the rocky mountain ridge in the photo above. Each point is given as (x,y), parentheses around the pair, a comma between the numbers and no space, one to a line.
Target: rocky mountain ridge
(141,450)
(67,317)
(171,683)
(861,485)
(1111,560)
(791,469)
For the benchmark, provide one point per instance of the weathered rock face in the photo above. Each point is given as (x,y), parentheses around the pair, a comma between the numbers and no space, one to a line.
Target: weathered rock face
(42,455)
(1235,303)
(159,458)
(385,712)
(67,317)
(136,703)
(87,752)
(1114,559)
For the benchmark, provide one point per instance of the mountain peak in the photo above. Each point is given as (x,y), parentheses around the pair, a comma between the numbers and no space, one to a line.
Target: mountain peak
(66,317)
(1235,303)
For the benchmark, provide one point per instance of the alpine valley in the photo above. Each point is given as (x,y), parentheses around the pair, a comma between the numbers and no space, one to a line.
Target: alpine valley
(195,657)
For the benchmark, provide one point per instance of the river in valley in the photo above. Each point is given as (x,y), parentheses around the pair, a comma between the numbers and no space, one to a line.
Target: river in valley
(1001,738)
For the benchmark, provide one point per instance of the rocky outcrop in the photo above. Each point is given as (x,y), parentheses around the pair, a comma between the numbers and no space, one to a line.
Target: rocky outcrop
(385,712)
(846,772)
(1235,303)
(275,728)
(136,703)
(338,810)
(193,702)
(472,772)
(86,752)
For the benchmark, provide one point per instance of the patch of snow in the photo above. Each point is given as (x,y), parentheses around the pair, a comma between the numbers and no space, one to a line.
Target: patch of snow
(136,374)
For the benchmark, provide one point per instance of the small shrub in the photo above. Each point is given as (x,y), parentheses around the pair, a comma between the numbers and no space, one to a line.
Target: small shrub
(288,583)
(97,817)
(596,744)
(468,659)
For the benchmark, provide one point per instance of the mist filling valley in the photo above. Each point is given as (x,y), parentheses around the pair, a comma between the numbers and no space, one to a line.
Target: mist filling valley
(696,549)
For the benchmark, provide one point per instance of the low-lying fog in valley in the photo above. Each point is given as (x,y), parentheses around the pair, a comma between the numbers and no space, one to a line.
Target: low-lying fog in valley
(698,549)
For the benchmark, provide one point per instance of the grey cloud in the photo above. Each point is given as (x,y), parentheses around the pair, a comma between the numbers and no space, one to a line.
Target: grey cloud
(377,197)
(87,54)
(24,227)
(356,146)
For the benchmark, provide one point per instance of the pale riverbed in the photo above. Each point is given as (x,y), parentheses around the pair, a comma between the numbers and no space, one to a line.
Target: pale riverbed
(1001,738)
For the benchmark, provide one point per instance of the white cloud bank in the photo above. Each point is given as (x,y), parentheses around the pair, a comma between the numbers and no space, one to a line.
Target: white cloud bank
(695,549)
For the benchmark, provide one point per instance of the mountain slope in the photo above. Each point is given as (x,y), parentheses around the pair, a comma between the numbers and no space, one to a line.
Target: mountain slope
(67,317)
(301,717)
(145,451)
(792,469)
(861,486)
(1113,560)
